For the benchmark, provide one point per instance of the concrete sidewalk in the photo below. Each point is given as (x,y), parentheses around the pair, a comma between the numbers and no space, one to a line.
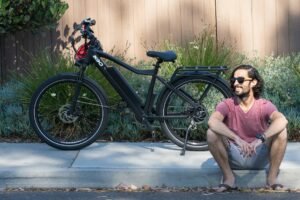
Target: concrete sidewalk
(109,164)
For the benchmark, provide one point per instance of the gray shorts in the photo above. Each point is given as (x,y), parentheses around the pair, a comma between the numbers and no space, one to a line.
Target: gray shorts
(260,160)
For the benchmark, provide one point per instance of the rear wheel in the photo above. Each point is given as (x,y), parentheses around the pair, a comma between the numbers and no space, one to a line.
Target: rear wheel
(178,114)
(62,125)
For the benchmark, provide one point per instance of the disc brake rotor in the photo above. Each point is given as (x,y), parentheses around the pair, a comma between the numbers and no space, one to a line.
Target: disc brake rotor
(65,116)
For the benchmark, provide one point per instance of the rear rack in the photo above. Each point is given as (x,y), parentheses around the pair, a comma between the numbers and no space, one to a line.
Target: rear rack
(199,70)
(203,68)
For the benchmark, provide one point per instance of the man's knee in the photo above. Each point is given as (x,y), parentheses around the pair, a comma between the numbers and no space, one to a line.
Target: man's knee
(282,136)
(212,137)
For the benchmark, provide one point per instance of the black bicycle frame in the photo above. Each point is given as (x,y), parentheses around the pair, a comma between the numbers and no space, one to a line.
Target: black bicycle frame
(141,110)
(120,84)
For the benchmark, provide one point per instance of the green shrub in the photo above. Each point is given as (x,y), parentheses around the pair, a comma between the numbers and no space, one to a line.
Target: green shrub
(47,64)
(282,87)
(203,51)
(13,115)
(29,14)
(42,66)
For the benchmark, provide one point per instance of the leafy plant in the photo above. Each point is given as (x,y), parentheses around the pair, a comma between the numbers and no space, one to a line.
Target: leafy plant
(47,64)
(42,66)
(282,87)
(29,14)
(281,80)
(203,51)
(13,115)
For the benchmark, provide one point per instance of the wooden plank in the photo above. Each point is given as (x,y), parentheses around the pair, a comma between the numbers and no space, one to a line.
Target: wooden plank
(175,21)
(163,28)
(294,28)
(24,50)
(246,28)
(101,23)
(70,18)
(2,59)
(10,55)
(204,16)
(270,36)
(116,38)
(151,41)
(139,21)
(79,10)
(222,21)
(209,13)
(228,25)
(41,41)
(235,24)
(127,24)
(103,18)
(258,8)
(282,24)
(56,38)
(186,8)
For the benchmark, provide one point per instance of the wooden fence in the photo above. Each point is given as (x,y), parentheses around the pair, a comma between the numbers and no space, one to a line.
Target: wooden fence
(254,27)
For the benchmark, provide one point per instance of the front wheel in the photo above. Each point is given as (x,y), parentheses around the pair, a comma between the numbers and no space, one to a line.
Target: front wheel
(177,114)
(59,121)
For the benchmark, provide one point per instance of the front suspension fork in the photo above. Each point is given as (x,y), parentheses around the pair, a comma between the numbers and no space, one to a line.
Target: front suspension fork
(77,89)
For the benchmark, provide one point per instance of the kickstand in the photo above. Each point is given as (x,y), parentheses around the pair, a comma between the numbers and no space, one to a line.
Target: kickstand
(153,140)
(186,137)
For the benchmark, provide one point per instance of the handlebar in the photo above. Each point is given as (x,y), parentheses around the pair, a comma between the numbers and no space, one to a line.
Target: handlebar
(86,32)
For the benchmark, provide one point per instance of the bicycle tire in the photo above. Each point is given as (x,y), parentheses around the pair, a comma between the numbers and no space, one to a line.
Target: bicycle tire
(170,104)
(49,112)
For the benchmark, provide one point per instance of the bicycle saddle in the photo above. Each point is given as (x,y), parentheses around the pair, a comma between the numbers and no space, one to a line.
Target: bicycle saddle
(167,56)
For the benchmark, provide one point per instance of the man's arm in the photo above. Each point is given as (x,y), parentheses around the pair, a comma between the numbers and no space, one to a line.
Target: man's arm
(217,125)
(278,124)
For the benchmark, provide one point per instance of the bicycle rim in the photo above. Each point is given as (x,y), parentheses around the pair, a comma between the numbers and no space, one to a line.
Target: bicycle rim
(179,114)
(57,125)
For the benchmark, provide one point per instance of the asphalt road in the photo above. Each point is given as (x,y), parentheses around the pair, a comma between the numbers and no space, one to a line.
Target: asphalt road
(50,195)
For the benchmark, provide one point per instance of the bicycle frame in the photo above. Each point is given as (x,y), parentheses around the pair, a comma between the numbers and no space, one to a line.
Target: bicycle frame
(143,111)
(121,85)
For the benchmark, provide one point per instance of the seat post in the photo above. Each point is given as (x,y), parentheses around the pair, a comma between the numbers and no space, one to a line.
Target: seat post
(151,96)
(157,65)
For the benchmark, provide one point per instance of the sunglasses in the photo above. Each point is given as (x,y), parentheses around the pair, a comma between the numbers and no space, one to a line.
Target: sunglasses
(240,80)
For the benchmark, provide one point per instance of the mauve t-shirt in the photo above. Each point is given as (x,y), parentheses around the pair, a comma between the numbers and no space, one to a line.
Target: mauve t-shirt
(246,125)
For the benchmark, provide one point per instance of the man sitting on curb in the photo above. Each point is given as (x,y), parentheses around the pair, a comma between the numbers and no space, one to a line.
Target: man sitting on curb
(246,131)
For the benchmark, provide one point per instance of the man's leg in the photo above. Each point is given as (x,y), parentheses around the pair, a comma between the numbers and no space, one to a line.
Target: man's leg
(277,150)
(218,150)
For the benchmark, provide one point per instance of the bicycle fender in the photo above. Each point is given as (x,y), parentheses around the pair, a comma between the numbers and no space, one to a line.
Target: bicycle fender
(199,74)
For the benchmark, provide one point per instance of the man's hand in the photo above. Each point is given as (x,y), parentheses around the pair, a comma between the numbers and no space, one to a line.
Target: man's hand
(255,144)
(246,148)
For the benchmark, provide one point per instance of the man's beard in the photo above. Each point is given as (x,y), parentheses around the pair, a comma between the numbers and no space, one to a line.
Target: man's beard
(243,95)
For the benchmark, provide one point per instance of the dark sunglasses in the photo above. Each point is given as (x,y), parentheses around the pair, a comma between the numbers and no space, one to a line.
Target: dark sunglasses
(240,80)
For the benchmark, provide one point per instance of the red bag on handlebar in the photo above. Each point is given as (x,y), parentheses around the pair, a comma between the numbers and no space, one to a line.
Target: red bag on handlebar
(81,52)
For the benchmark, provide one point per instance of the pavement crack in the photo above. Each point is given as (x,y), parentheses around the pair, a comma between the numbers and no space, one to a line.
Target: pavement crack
(76,156)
